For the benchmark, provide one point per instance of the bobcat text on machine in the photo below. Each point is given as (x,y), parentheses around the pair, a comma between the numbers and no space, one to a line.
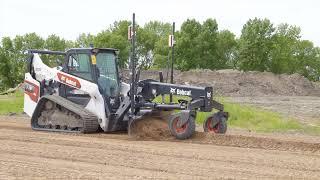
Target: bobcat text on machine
(85,94)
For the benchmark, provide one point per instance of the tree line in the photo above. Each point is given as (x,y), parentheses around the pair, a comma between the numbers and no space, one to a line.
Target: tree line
(262,46)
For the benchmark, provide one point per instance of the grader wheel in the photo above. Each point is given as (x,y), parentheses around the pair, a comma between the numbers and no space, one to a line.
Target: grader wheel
(215,123)
(183,132)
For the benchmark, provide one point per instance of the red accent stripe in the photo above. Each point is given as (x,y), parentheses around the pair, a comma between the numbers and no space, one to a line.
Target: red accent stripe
(34,95)
(69,80)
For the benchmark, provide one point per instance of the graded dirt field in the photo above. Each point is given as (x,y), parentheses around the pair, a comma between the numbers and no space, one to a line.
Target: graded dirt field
(28,154)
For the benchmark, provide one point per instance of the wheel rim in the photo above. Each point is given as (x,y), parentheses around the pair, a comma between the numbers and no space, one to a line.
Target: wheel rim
(215,128)
(180,130)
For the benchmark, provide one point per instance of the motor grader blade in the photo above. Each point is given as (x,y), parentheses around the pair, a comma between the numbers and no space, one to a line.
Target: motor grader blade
(152,125)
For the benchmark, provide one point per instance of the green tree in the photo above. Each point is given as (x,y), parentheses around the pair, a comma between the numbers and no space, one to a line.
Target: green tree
(207,44)
(116,37)
(150,37)
(188,46)
(307,60)
(285,41)
(13,57)
(203,46)
(161,53)
(255,45)
(10,68)
(55,43)
(84,40)
(226,50)
(32,41)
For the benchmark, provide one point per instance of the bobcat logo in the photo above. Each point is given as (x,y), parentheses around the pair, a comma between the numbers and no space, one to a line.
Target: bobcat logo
(154,92)
(183,92)
(172,90)
(180,92)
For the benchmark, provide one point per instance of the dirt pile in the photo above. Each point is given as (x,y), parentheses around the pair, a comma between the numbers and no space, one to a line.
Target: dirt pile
(237,83)
(151,127)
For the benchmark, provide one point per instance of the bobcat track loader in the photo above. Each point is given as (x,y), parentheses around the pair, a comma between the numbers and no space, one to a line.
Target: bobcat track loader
(85,94)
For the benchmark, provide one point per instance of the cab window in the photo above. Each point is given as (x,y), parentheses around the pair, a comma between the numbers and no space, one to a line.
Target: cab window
(79,65)
(108,76)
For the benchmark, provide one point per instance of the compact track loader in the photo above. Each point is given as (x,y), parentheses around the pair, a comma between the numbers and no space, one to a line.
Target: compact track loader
(86,94)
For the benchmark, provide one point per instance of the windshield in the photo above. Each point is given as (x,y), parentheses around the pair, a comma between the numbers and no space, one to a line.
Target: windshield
(108,79)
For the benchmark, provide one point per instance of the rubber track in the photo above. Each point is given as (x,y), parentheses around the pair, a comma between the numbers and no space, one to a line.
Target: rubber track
(90,121)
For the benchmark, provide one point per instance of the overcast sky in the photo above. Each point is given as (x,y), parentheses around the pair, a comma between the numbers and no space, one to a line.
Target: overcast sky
(69,18)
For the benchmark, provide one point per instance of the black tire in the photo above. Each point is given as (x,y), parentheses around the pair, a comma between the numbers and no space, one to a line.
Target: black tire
(186,131)
(216,123)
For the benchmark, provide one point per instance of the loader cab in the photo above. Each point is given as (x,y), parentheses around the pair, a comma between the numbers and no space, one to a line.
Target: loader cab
(96,65)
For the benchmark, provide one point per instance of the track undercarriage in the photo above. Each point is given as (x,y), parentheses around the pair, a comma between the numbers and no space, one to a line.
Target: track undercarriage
(58,114)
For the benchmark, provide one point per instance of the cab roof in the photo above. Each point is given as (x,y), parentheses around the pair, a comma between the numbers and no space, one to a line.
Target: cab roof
(96,50)
(75,50)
